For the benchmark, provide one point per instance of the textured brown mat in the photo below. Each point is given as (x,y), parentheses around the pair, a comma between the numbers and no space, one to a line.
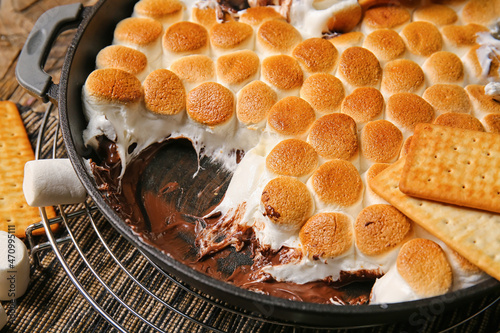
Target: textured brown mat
(53,304)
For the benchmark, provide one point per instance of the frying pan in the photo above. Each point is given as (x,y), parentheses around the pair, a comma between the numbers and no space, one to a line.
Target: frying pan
(95,26)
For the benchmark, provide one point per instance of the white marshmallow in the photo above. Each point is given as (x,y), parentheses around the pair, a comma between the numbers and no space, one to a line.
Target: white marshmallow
(14,267)
(52,182)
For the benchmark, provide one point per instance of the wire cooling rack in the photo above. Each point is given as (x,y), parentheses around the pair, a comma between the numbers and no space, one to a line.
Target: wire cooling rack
(162,297)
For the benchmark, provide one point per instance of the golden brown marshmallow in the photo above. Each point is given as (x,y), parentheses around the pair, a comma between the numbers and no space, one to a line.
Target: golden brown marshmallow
(359,67)
(407,110)
(231,36)
(113,85)
(385,17)
(122,57)
(255,16)
(277,36)
(423,265)
(363,104)
(210,104)
(254,102)
(184,37)
(334,136)
(484,12)
(316,55)
(291,116)
(237,68)
(492,123)
(337,182)
(448,98)
(380,228)
(324,92)
(436,14)
(292,157)
(459,120)
(326,235)
(402,75)
(482,104)
(164,93)
(287,202)
(422,38)
(381,141)
(385,44)
(138,31)
(282,72)
(194,69)
(164,11)
(444,67)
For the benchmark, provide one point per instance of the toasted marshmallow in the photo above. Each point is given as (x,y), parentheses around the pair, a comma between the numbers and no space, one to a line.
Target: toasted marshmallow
(482,104)
(231,36)
(436,14)
(381,142)
(316,55)
(458,39)
(205,16)
(380,228)
(124,58)
(402,75)
(448,98)
(358,67)
(184,38)
(385,44)
(236,69)
(336,185)
(277,37)
(164,101)
(482,63)
(292,157)
(423,265)
(210,104)
(344,19)
(326,235)
(385,17)
(283,73)
(422,39)
(126,90)
(254,102)
(482,12)
(287,203)
(291,117)
(406,110)
(460,120)
(164,11)
(142,34)
(335,136)
(347,40)
(324,92)
(193,70)
(255,16)
(492,123)
(444,67)
(363,105)
(370,197)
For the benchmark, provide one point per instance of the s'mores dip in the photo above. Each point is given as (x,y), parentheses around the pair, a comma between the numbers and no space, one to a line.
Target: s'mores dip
(299,104)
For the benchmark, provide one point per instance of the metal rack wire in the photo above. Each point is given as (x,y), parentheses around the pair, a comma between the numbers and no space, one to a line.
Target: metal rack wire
(145,284)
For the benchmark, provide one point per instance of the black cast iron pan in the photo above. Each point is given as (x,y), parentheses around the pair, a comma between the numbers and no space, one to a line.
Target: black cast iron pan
(95,26)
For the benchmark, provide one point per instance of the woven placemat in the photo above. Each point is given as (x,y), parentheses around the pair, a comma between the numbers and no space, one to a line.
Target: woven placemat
(53,303)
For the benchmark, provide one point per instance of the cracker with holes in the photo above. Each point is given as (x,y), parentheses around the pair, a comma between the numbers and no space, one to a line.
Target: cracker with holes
(472,233)
(454,166)
(15,151)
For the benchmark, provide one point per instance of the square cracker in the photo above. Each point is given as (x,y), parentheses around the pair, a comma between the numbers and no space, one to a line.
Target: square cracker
(472,233)
(15,151)
(456,166)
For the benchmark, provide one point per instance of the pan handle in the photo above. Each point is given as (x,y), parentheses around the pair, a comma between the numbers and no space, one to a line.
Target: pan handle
(29,70)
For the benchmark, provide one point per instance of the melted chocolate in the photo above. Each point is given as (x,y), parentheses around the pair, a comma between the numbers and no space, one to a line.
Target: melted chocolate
(163,197)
